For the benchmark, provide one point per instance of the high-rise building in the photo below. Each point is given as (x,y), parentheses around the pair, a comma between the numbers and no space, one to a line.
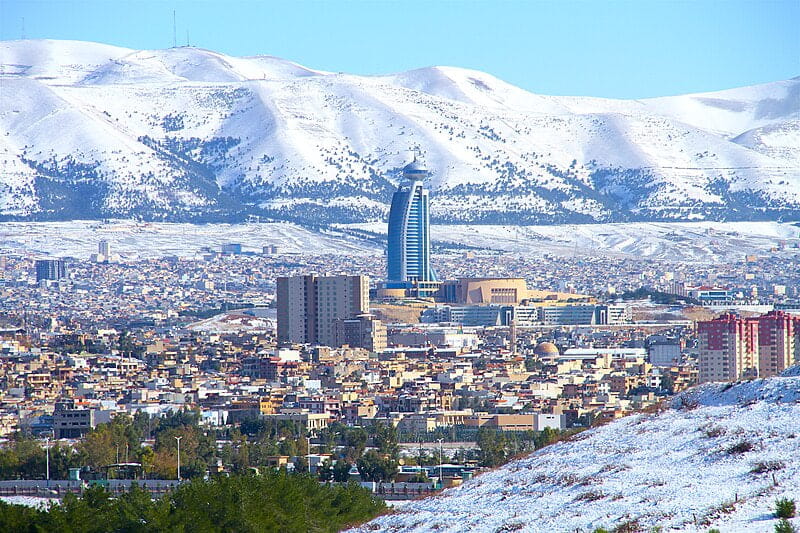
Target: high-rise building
(233,248)
(732,347)
(104,253)
(297,309)
(309,306)
(50,269)
(363,331)
(778,342)
(728,348)
(409,240)
(339,297)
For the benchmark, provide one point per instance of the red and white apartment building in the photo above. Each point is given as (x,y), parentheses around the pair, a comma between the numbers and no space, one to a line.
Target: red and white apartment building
(732,347)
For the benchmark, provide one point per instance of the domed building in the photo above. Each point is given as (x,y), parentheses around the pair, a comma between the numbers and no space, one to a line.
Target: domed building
(546,349)
(415,170)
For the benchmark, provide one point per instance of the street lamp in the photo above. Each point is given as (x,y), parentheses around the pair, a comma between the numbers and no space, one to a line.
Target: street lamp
(441,481)
(179,456)
(47,452)
(308,452)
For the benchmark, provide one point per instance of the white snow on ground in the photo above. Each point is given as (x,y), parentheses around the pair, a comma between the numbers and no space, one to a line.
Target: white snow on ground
(134,239)
(677,469)
(669,241)
(234,323)
(30,501)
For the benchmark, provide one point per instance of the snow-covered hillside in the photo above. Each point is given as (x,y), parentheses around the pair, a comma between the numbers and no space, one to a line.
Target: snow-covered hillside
(93,130)
(690,242)
(718,458)
(138,240)
(686,242)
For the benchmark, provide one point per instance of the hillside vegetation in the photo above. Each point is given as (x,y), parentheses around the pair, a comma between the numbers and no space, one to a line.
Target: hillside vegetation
(720,456)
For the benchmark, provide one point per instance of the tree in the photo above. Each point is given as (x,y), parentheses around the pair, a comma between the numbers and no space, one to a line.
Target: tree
(301,464)
(325,471)
(355,441)
(492,445)
(128,346)
(533,365)
(107,443)
(372,466)
(275,501)
(197,450)
(20,518)
(62,458)
(545,437)
(147,459)
(667,383)
(341,471)
(23,457)
(420,477)
(385,438)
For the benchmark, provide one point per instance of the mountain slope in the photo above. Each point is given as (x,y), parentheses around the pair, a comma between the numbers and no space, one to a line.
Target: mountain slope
(189,133)
(718,458)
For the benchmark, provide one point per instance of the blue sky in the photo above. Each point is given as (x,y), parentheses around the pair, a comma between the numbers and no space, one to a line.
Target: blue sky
(621,49)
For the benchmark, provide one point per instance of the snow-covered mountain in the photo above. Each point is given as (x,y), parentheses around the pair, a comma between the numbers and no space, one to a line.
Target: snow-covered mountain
(91,130)
(718,458)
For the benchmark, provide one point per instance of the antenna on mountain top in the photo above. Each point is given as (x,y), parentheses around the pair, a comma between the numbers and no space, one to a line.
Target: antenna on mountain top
(23,28)
(174,33)
(187,38)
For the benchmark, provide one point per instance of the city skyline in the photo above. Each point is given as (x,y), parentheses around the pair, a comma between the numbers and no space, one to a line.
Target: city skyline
(230,299)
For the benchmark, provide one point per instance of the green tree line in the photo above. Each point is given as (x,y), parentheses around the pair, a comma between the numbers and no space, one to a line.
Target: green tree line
(276,501)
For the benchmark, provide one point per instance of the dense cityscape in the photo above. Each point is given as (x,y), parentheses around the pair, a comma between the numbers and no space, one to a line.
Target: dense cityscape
(312,364)
(403,267)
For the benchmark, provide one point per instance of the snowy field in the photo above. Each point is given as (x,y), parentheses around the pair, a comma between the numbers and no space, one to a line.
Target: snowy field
(30,501)
(225,323)
(669,241)
(690,468)
(137,239)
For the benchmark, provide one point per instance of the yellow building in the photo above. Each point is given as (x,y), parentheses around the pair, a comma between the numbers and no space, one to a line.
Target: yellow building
(500,291)
(266,406)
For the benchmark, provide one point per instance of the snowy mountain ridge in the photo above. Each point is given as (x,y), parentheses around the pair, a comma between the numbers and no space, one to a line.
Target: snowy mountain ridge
(718,457)
(93,130)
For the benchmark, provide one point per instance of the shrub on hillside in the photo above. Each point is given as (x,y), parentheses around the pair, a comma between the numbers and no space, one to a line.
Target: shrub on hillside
(631,526)
(784,526)
(591,496)
(785,508)
(742,446)
(763,467)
